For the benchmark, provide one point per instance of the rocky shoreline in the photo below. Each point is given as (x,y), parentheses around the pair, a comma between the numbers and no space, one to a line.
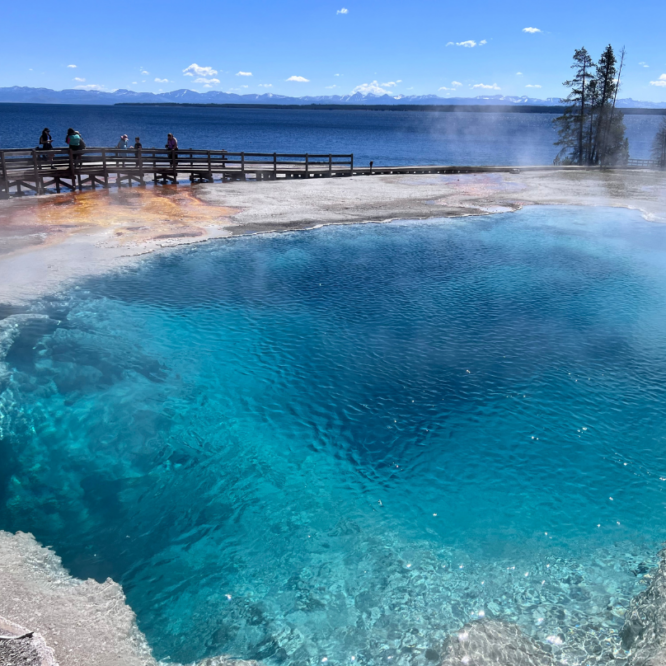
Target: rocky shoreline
(48,242)
(48,618)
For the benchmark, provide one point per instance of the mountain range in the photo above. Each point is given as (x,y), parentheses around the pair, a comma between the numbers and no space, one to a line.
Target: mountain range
(23,94)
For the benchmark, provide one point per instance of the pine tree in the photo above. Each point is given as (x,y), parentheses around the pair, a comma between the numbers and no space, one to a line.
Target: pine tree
(659,145)
(606,83)
(571,124)
(591,131)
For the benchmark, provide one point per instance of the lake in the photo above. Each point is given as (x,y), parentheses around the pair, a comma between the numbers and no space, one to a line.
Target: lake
(386,137)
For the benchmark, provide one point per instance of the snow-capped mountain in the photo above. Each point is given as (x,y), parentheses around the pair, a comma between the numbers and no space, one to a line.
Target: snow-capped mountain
(24,94)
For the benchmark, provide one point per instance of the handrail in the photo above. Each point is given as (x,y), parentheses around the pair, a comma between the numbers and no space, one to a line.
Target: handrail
(633,161)
(130,149)
(35,168)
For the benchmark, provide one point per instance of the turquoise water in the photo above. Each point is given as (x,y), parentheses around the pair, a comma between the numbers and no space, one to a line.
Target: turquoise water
(349,442)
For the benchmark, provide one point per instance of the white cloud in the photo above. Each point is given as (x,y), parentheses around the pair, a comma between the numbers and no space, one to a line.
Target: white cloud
(532,31)
(298,79)
(536,85)
(134,83)
(456,83)
(245,86)
(72,66)
(337,75)
(144,72)
(344,10)
(90,86)
(643,64)
(199,71)
(391,84)
(519,73)
(373,88)
(76,78)
(330,87)
(484,86)
(445,88)
(469,44)
(208,82)
(661,81)
(243,73)
(482,42)
(161,80)
(265,85)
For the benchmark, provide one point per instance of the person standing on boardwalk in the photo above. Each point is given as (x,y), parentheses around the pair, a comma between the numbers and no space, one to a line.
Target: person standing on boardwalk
(137,143)
(46,140)
(122,144)
(71,142)
(172,147)
(75,143)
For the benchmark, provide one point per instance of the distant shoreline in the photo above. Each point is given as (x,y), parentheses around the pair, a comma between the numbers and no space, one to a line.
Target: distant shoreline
(437,108)
(431,108)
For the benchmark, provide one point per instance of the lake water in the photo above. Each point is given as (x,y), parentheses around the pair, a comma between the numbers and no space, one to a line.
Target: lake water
(386,137)
(349,442)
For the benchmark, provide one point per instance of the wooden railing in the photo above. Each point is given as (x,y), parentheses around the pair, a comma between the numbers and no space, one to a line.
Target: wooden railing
(645,164)
(32,168)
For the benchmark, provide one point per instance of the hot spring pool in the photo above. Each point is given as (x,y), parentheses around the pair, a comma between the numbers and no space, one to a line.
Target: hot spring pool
(350,442)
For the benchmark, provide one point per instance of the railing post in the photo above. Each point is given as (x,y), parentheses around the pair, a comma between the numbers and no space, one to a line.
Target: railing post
(38,185)
(71,168)
(210,167)
(307,163)
(139,163)
(105,169)
(351,173)
(275,164)
(242,162)
(5,176)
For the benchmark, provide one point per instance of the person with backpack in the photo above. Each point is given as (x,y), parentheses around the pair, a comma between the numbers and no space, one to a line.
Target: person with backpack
(46,141)
(75,143)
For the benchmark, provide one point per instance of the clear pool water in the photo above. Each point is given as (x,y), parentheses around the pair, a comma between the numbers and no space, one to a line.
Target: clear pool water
(349,442)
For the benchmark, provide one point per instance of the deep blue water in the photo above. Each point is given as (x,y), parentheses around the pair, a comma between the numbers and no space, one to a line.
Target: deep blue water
(386,137)
(351,441)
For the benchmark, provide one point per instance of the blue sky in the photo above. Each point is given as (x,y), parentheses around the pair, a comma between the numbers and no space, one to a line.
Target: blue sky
(321,47)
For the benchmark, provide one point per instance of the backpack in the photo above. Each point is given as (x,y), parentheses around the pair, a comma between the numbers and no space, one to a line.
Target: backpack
(75,140)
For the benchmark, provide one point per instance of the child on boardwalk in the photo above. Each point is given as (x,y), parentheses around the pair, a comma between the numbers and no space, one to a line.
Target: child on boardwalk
(172,147)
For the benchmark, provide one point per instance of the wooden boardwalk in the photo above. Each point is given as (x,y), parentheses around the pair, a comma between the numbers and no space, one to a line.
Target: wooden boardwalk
(34,170)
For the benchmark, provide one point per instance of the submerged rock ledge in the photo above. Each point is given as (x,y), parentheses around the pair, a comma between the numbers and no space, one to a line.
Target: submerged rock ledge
(73,622)
(83,622)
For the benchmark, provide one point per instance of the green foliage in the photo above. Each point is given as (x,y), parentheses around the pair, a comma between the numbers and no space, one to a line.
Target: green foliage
(659,144)
(591,131)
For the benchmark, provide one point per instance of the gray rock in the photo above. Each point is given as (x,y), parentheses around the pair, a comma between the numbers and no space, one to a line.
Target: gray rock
(494,643)
(644,631)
